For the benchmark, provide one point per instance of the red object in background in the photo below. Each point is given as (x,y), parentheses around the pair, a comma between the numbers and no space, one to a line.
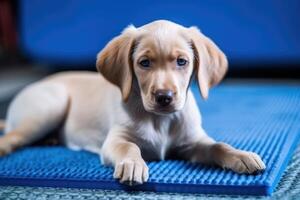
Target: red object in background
(8,36)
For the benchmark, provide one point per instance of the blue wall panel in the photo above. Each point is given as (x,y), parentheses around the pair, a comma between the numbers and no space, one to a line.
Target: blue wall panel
(73,31)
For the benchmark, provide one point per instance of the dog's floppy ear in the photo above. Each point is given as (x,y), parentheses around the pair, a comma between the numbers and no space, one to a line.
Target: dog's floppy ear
(210,62)
(114,62)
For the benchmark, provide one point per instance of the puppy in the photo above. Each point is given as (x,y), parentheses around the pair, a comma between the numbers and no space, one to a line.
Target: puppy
(139,109)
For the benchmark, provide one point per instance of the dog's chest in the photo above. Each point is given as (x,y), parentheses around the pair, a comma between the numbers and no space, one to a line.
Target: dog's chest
(154,139)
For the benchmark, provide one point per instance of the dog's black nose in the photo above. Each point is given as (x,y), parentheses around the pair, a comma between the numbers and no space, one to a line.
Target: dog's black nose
(163,97)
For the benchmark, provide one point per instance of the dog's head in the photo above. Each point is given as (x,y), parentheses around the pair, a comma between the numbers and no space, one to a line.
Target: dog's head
(163,57)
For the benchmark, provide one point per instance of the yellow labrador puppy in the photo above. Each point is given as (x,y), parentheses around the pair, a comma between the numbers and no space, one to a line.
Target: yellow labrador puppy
(140,108)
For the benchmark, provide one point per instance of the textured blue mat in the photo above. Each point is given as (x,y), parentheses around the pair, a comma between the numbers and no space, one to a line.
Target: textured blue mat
(260,118)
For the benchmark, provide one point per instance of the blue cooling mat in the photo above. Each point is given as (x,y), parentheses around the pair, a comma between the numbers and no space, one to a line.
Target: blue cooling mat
(260,118)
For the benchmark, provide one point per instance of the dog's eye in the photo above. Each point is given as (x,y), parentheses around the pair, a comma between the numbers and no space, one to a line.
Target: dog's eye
(181,62)
(145,63)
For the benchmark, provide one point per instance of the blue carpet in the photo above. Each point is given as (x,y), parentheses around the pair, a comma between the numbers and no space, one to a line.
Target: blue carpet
(260,118)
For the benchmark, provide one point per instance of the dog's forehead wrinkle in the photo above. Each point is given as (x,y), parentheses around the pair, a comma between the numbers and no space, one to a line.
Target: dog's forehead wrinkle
(161,43)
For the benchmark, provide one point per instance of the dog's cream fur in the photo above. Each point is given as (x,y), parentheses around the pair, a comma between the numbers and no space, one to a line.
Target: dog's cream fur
(126,128)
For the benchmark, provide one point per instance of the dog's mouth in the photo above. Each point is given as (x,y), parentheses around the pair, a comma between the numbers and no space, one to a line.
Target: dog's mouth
(162,110)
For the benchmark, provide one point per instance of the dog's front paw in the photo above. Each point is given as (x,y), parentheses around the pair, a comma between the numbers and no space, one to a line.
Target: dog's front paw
(237,160)
(244,162)
(131,171)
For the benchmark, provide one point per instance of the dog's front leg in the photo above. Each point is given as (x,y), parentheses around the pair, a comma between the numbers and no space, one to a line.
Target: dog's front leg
(205,150)
(125,156)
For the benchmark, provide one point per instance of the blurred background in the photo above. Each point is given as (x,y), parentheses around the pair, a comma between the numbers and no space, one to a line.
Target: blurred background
(37,38)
